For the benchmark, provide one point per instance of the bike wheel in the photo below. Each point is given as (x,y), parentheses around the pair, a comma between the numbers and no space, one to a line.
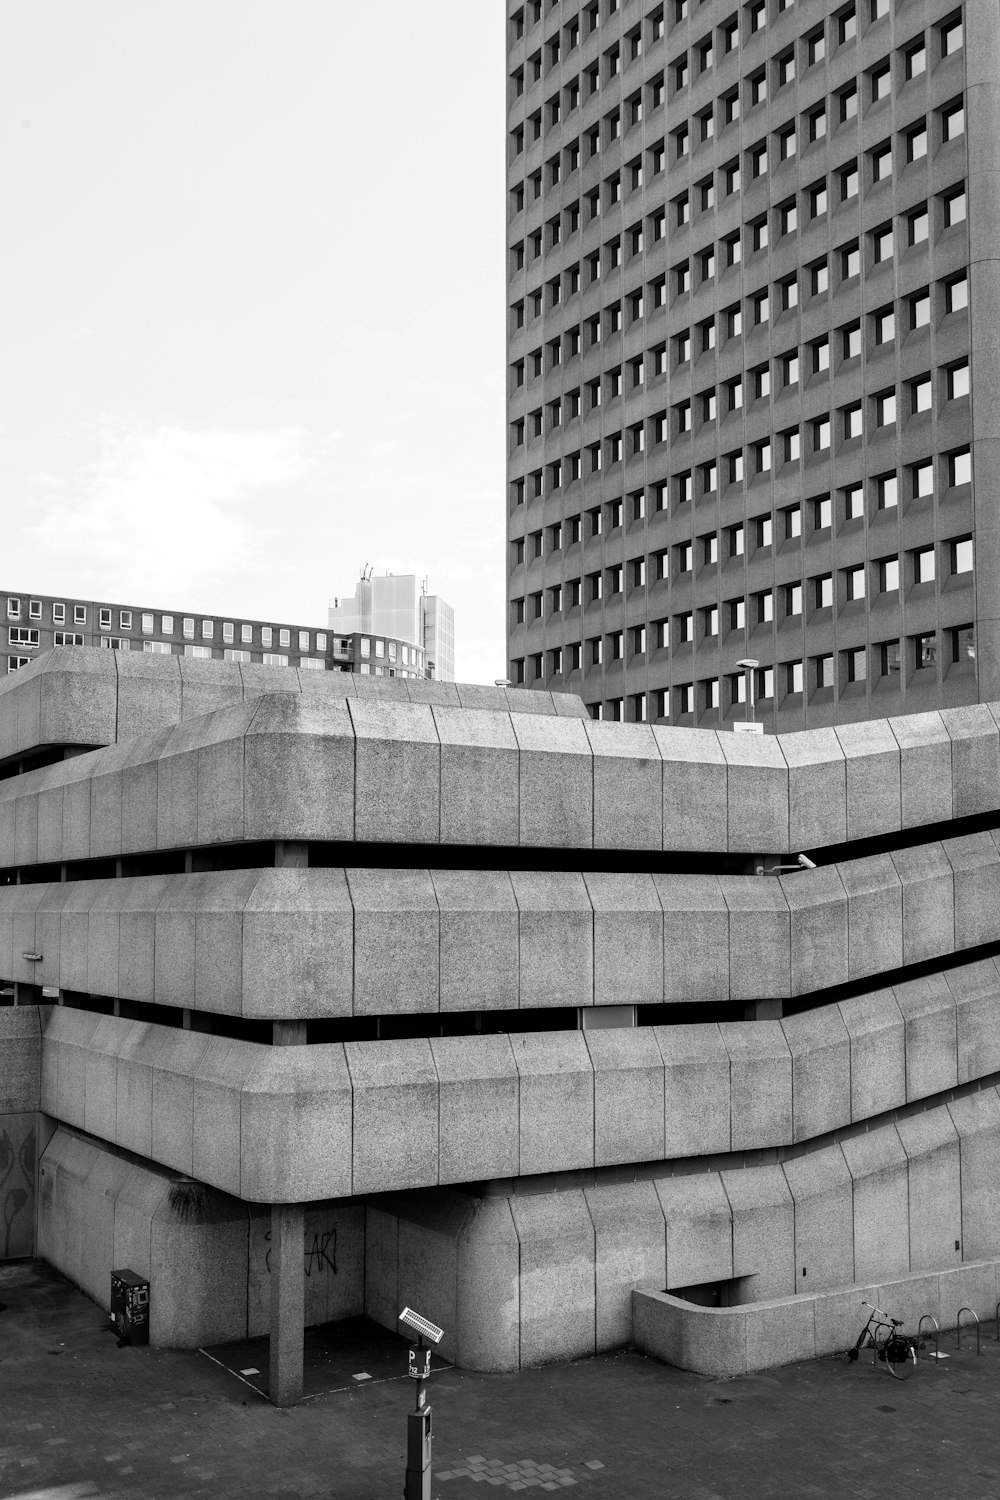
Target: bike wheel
(882,1337)
(901,1357)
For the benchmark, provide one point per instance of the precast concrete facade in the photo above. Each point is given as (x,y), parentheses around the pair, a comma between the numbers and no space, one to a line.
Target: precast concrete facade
(329,994)
(753,305)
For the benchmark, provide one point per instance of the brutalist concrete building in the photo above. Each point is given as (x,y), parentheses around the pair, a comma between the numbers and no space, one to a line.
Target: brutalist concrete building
(753,325)
(327,994)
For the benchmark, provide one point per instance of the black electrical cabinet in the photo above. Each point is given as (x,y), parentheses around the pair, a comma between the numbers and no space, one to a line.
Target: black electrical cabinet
(130,1307)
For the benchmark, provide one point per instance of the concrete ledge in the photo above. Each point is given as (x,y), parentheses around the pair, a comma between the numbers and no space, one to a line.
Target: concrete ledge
(727,1341)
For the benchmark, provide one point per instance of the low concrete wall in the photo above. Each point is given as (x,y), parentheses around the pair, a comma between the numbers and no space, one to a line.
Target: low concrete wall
(760,1335)
(206,1254)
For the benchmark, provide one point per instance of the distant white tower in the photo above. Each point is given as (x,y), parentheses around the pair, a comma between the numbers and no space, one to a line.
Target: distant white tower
(391,605)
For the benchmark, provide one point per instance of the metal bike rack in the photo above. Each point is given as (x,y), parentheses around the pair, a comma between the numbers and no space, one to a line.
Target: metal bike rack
(930,1318)
(958,1328)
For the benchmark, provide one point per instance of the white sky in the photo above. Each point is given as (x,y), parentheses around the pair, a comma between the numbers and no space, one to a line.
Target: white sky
(252,304)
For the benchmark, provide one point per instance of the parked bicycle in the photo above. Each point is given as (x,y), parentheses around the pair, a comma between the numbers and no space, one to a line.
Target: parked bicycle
(897,1351)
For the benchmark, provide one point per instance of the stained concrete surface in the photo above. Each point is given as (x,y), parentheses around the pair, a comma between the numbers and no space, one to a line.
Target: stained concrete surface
(85,1418)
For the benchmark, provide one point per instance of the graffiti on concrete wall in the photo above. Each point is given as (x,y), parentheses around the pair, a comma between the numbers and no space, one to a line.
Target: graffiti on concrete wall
(17,1185)
(320,1251)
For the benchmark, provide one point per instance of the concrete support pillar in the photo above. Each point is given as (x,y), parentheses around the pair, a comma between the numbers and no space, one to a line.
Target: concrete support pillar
(288,1033)
(291,854)
(763,1010)
(288,1315)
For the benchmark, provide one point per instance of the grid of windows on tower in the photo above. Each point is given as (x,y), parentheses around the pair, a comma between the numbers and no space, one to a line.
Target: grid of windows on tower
(740,369)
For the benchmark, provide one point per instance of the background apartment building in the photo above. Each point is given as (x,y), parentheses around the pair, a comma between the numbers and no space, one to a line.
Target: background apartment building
(393,605)
(748,245)
(36,623)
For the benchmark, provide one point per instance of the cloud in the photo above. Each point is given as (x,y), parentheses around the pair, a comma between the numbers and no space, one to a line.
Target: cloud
(164,505)
(43,481)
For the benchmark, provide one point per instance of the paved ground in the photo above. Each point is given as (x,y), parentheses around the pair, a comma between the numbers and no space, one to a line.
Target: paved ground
(81,1417)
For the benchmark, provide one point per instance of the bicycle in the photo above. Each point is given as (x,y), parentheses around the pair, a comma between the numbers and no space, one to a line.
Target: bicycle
(897,1351)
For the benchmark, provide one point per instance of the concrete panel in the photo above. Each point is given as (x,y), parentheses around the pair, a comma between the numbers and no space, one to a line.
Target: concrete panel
(628,1094)
(557,782)
(479,939)
(930,1141)
(335,1259)
(975,861)
(928,902)
(137,1056)
(628,786)
(24,934)
(48,925)
(696,1089)
(68,1033)
(439,694)
(695,937)
(628,938)
(259,680)
(298,945)
(758,794)
(76,807)
(695,790)
(429,1233)
(820,1049)
(817,904)
(530,701)
(558,1303)
(925,768)
(840,1317)
(975,759)
(18,1150)
(878,1066)
(50,813)
(908,1298)
(218,939)
(382,1302)
(872,763)
(140,775)
(699,1224)
(760,1067)
(96,1205)
(817,789)
(972,1286)
(478,1107)
(295,1125)
(488,1291)
(976,1119)
(556,1083)
(138,1199)
(208,685)
(397,772)
(395,1115)
(708,1340)
(556,927)
(77,700)
(20,1059)
(396,941)
(177,788)
(780,1333)
(878,1165)
(976,991)
(874,915)
(300,770)
(222,1072)
(759,937)
(822,1192)
(106,801)
(763,1231)
(177,1063)
(479,695)
(74,932)
(225,787)
(149,693)
(138,901)
(479,777)
(629,1253)
(25,827)
(930,1038)
(174,938)
(193,1233)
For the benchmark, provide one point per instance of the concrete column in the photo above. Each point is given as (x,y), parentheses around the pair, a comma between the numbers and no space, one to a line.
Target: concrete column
(291,854)
(288,1033)
(288,1313)
(763,1010)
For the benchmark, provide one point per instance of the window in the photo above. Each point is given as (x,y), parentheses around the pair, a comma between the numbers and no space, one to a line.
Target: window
(955,210)
(887,491)
(881,82)
(761,308)
(793,599)
(953,121)
(819,278)
(817,199)
(957,294)
(67,638)
(823,671)
(786,68)
(888,575)
(924,651)
(685,628)
(79,614)
(788,217)
(847,25)
(793,677)
(885,409)
(736,541)
(920,394)
(791,445)
(960,467)
(923,565)
(951,36)
(958,381)
(737,614)
(815,47)
(917,226)
(854,582)
(882,243)
(731,175)
(820,355)
(786,143)
(920,310)
(881,160)
(104,619)
(849,102)
(58,614)
(852,422)
(885,325)
(790,369)
(761,378)
(961,555)
(22,635)
(854,502)
(822,513)
(916,60)
(916,143)
(850,341)
(856,664)
(850,261)
(793,522)
(816,124)
(823,591)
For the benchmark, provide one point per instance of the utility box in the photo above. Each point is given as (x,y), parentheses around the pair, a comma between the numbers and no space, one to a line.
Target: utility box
(130,1307)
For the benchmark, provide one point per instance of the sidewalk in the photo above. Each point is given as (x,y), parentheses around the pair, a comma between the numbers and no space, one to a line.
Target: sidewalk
(80,1417)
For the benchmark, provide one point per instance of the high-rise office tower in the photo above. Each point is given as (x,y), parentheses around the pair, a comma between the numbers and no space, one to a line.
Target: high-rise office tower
(754,356)
(392,604)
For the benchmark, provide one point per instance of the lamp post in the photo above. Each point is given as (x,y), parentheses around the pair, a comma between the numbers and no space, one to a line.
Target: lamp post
(749,668)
